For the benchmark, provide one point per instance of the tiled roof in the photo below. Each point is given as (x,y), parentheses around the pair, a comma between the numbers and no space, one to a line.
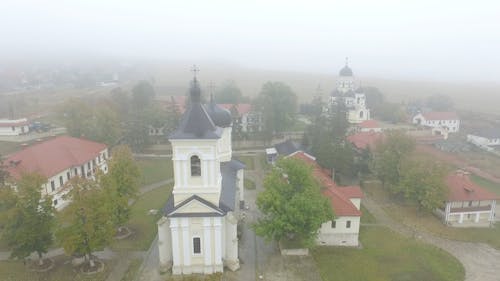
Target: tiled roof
(363,140)
(369,124)
(435,115)
(242,108)
(53,156)
(461,188)
(339,196)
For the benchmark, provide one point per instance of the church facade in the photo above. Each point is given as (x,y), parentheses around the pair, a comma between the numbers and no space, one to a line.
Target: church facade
(352,95)
(198,230)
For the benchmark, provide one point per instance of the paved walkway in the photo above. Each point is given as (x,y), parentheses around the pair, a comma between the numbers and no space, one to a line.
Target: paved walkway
(481,261)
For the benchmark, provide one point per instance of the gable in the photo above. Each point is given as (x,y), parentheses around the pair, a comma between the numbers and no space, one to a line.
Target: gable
(195,206)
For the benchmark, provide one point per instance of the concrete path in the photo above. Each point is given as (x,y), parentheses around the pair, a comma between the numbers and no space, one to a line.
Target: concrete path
(481,261)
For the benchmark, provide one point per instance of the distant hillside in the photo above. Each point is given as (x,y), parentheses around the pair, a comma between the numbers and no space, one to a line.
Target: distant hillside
(173,79)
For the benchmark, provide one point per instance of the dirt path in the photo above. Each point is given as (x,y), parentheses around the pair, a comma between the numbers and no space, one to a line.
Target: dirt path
(481,261)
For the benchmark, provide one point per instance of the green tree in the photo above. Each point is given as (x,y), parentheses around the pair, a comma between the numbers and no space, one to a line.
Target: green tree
(121,183)
(229,93)
(389,156)
(30,220)
(143,95)
(76,115)
(292,204)
(278,104)
(86,224)
(422,182)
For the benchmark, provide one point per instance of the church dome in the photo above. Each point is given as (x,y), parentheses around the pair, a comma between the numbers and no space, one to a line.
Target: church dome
(345,71)
(220,116)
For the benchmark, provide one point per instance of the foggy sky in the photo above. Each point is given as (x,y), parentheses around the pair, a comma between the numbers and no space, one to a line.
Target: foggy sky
(426,39)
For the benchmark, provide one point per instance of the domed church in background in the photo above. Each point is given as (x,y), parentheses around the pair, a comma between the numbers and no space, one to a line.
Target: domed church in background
(350,92)
(198,230)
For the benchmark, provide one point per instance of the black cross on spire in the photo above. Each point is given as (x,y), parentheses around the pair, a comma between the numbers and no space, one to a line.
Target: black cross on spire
(346,61)
(195,70)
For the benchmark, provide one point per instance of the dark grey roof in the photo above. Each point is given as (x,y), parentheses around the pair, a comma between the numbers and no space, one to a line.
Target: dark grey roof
(489,133)
(220,116)
(345,71)
(287,147)
(227,200)
(196,123)
(359,90)
(349,93)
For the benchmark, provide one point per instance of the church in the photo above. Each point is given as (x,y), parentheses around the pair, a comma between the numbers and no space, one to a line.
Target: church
(198,230)
(349,91)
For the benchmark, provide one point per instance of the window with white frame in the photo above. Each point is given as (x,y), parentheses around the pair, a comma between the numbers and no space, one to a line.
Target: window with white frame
(196,245)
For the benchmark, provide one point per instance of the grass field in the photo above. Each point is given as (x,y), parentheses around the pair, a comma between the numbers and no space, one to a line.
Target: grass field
(248,160)
(491,186)
(132,270)
(62,271)
(386,256)
(142,224)
(249,184)
(407,214)
(155,169)
(7,147)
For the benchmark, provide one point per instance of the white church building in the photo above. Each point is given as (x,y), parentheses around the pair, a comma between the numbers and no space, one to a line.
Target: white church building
(198,230)
(349,91)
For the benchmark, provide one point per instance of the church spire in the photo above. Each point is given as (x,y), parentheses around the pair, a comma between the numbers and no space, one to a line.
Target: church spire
(195,91)
(347,61)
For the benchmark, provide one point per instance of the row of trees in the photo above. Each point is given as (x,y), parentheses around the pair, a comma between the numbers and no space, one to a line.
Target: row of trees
(96,211)
(121,116)
(406,175)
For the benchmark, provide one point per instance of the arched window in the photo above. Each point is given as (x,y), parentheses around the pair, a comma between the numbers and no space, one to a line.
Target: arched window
(361,114)
(195,166)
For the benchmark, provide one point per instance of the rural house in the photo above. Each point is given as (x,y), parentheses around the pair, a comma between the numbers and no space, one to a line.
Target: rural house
(468,204)
(346,205)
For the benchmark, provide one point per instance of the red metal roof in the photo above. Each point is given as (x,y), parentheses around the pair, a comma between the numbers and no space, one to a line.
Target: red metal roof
(369,124)
(436,115)
(242,108)
(363,140)
(461,188)
(53,156)
(339,196)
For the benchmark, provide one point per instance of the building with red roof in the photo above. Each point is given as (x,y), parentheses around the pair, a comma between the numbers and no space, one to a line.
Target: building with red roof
(345,202)
(14,127)
(447,121)
(243,115)
(364,140)
(58,159)
(467,204)
(370,126)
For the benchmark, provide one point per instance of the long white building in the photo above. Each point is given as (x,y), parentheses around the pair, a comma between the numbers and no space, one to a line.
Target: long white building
(59,159)
(14,127)
(447,121)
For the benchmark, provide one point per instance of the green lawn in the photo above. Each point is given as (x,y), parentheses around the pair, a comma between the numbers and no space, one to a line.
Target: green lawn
(63,271)
(7,147)
(366,217)
(142,224)
(132,270)
(249,184)
(248,160)
(155,169)
(407,214)
(491,186)
(386,256)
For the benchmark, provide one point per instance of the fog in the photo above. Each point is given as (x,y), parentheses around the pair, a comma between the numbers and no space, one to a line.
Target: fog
(427,39)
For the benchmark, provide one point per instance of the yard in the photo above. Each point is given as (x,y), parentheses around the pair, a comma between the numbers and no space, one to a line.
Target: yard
(491,186)
(248,160)
(155,169)
(426,222)
(386,255)
(62,271)
(7,147)
(141,222)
